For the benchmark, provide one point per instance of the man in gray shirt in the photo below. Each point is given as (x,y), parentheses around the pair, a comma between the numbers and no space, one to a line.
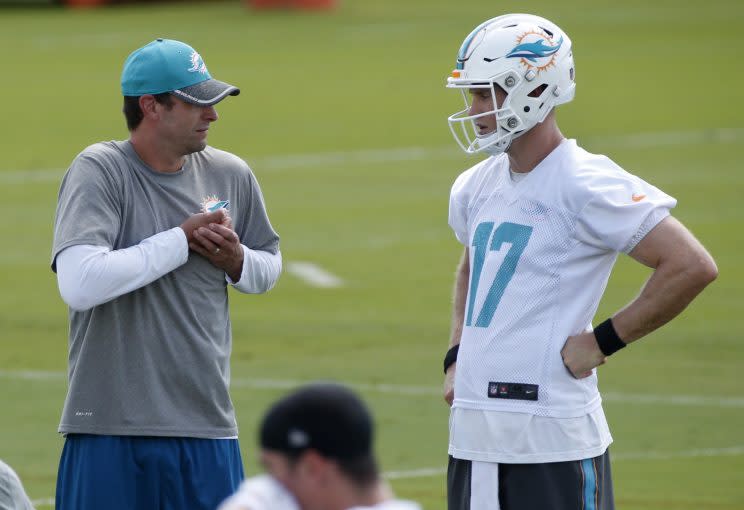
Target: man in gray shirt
(149,232)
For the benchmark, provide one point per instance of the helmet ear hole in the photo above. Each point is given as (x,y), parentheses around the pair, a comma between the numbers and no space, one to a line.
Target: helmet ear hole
(538,91)
(499,88)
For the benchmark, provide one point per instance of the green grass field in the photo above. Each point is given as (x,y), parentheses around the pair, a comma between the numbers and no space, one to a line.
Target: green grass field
(342,117)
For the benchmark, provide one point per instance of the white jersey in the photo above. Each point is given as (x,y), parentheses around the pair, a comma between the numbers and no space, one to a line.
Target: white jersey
(12,495)
(541,252)
(391,504)
(264,492)
(261,492)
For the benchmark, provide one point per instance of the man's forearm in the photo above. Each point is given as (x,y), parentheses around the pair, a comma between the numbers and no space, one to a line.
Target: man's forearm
(682,269)
(92,275)
(667,292)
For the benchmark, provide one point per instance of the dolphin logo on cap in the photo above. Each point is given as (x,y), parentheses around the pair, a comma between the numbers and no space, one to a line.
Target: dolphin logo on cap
(197,64)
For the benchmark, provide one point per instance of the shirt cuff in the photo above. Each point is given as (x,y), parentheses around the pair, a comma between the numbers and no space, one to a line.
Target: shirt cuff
(261,270)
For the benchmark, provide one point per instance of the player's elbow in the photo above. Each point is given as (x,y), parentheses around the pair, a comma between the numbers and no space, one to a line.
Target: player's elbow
(705,270)
(76,299)
(700,270)
(72,290)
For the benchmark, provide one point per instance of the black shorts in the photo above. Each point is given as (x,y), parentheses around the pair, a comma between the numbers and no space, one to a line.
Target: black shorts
(574,485)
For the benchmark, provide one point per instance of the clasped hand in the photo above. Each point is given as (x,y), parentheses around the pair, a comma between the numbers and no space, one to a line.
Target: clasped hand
(211,235)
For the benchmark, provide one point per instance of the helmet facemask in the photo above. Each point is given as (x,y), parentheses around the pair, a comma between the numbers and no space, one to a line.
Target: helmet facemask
(509,125)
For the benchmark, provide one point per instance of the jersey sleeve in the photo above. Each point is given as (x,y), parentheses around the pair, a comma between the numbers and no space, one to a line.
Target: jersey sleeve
(621,210)
(88,206)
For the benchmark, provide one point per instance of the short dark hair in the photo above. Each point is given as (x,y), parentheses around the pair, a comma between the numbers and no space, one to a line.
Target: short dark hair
(133,112)
(362,470)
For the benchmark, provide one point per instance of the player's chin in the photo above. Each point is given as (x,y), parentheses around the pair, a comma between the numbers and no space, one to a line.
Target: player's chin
(196,146)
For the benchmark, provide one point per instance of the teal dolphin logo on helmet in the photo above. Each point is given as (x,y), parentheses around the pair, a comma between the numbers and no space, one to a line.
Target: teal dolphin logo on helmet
(534,50)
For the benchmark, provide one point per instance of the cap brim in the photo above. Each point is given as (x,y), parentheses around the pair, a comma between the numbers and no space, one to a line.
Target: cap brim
(206,93)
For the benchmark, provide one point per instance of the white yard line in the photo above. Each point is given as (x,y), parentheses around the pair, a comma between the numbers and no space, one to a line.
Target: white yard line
(403,154)
(314,275)
(42,502)
(397,389)
(614,457)
(731,451)
(415,473)
(32,375)
(403,390)
(679,400)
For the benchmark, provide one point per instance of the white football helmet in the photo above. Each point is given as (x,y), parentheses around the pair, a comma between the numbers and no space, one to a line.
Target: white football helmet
(519,53)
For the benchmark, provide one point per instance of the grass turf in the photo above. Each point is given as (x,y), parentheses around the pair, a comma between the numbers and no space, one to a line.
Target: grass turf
(370,76)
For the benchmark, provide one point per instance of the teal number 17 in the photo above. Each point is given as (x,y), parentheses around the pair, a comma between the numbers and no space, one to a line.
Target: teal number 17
(514,233)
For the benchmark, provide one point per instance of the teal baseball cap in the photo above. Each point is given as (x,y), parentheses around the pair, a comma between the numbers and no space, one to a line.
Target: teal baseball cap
(166,65)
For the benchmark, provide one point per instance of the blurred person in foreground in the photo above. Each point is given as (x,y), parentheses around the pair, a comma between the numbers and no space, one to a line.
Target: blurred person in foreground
(316,445)
(542,221)
(12,495)
(149,234)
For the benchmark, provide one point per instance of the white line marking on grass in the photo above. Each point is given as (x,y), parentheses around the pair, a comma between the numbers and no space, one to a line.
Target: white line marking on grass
(684,454)
(43,502)
(395,389)
(403,154)
(731,451)
(402,389)
(669,138)
(355,157)
(680,400)
(314,275)
(441,471)
(32,375)
(28,176)
(399,389)
(414,473)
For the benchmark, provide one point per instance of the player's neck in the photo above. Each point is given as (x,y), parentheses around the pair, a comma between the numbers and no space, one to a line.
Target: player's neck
(353,496)
(527,151)
(153,154)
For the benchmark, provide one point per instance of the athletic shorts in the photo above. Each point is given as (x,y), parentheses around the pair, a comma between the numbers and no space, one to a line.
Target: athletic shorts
(146,473)
(575,485)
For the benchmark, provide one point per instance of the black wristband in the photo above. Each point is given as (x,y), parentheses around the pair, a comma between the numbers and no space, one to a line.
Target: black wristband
(607,338)
(450,357)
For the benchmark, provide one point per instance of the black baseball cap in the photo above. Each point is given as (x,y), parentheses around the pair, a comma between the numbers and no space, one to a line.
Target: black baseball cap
(325,417)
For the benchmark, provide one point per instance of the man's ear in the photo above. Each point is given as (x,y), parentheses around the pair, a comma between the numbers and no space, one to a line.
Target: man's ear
(148,105)
(316,466)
